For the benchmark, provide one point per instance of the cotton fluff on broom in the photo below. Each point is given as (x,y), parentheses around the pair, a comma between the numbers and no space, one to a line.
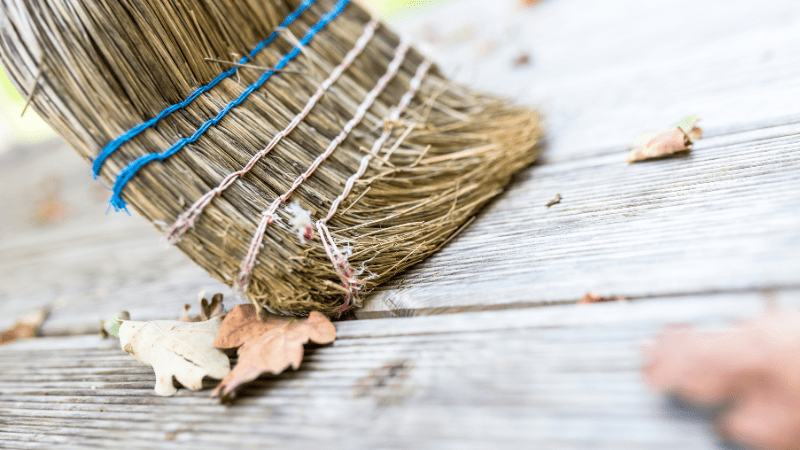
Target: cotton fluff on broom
(297,151)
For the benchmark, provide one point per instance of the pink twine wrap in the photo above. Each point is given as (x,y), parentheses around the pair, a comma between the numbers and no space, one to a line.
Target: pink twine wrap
(187,219)
(339,260)
(394,116)
(348,276)
(268,217)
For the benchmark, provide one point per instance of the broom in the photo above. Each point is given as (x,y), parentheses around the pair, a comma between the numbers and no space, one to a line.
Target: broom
(298,151)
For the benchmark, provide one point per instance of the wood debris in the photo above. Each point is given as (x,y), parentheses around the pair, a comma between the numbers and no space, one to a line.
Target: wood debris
(554,201)
(522,60)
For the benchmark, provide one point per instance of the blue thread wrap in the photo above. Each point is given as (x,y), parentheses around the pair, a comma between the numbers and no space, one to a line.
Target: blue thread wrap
(114,145)
(130,171)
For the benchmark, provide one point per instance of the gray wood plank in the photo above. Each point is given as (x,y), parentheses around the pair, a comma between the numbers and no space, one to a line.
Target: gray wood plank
(553,377)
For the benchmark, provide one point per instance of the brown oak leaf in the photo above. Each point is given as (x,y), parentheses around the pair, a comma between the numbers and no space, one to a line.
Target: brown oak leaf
(268,346)
(751,371)
(675,139)
(26,327)
(208,310)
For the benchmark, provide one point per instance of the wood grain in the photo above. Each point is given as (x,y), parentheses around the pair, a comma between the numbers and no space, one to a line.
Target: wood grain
(555,377)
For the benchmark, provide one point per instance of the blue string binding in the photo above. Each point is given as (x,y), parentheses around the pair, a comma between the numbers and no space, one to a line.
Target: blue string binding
(130,171)
(114,145)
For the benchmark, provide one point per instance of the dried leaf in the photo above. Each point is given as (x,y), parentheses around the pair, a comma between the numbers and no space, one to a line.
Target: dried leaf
(748,374)
(177,351)
(208,310)
(26,327)
(594,297)
(269,346)
(675,139)
(554,201)
(522,60)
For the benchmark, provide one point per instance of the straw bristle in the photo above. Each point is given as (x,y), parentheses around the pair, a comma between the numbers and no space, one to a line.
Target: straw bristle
(109,65)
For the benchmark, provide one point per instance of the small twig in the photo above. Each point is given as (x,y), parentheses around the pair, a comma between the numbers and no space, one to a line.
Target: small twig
(554,201)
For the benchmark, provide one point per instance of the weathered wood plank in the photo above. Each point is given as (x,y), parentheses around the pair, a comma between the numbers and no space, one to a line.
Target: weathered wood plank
(86,264)
(554,377)
(723,218)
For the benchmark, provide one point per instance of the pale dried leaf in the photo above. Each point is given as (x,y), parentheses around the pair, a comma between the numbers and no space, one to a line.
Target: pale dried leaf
(269,346)
(177,351)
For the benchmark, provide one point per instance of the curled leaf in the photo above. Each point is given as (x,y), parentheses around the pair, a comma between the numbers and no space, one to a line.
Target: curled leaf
(26,327)
(594,297)
(177,351)
(675,139)
(268,346)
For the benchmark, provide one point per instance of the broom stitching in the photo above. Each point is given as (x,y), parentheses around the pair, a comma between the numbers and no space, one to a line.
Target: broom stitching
(342,267)
(394,117)
(187,219)
(130,171)
(114,145)
(268,216)
(340,264)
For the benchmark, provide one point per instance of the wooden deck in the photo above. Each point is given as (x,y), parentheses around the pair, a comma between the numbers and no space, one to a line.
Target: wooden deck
(481,346)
